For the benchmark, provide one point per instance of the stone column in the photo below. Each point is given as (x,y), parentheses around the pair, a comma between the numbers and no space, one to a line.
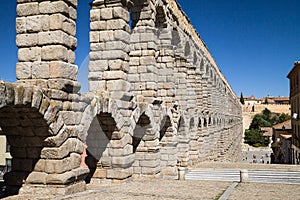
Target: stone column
(109,46)
(143,72)
(165,65)
(108,77)
(46,41)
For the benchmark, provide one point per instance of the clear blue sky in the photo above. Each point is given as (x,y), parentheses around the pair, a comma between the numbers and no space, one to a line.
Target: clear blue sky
(254,42)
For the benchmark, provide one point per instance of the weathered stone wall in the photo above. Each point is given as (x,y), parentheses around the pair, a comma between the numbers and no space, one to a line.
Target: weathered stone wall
(157,99)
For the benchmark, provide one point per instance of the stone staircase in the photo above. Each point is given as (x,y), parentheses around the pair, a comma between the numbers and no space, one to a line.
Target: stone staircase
(255,176)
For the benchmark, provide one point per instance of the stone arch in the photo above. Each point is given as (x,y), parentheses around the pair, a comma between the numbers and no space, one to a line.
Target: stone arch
(142,126)
(195,60)
(135,11)
(176,39)
(192,123)
(207,70)
(183,142)
(99,136)
(205,124)
(145,143)
(25,118)
(160,18)
(166,128)
(26,130)
(202,63)
(200,123)
(187,49)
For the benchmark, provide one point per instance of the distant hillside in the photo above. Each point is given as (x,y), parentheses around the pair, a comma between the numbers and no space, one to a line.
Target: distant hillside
(248,114)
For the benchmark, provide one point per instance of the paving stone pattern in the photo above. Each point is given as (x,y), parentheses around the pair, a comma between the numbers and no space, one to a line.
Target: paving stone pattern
(175,190)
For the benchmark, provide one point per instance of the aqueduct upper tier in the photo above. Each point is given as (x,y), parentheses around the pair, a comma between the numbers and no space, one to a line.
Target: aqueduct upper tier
(157,99)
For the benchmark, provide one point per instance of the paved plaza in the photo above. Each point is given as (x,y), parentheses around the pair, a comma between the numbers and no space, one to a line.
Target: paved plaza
(160,189)
(257,155)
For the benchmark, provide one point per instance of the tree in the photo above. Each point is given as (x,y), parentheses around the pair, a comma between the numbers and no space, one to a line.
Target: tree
(258,122)
(254,138)
(284,117)
(266,101)
(242,100)
(267,114)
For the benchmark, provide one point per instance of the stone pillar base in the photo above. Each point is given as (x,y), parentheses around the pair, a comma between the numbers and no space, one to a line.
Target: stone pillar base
(181,173)
(244,176)
(57,190)
(169,173)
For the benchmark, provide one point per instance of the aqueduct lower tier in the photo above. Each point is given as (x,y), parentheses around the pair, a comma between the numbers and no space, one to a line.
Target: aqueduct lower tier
(157,99)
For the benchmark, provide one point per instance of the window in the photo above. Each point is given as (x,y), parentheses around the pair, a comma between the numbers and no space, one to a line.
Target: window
(8,165)
(7,147)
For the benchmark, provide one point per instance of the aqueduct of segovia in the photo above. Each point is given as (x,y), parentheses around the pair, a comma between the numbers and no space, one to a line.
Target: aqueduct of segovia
(157,99)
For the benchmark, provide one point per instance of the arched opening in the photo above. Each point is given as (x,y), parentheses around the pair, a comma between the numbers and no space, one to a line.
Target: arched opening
(135,12)
(192,123)
(202,64)
(207,70)
(200,123)
(165,128)
(168,151)
(140,131)
(183,143)
(160,20)
(205,123)
(166,139)
(175,38)
(25,130)
(195,60)
(187,49)
(99,135)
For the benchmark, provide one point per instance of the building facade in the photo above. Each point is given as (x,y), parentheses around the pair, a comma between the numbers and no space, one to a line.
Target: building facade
(294,77)
(5,157)
(282,142)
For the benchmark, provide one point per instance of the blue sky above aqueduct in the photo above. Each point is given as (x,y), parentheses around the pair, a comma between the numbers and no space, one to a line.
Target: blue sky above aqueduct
(255,42)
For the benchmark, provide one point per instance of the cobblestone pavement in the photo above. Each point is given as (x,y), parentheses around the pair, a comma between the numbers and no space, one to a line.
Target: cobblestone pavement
(257,191)
(159,189)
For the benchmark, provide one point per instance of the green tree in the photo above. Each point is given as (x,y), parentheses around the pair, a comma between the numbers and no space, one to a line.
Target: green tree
(258,122)
(266,114)
(266,101)
(254,138)
(284,117)
(242,100)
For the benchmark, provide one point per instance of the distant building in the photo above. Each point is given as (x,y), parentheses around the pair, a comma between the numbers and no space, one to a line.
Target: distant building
(5,157)
(275,100)
(250,101)
(294,76)
(282,142)
(267,133)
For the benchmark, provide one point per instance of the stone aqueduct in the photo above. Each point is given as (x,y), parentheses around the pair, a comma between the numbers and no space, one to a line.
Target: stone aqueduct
(157,99)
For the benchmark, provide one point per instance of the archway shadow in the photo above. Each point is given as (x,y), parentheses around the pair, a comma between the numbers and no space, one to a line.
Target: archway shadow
(99,136)
(25,129)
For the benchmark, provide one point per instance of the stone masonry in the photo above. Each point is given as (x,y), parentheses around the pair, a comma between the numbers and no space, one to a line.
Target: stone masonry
(157,99)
